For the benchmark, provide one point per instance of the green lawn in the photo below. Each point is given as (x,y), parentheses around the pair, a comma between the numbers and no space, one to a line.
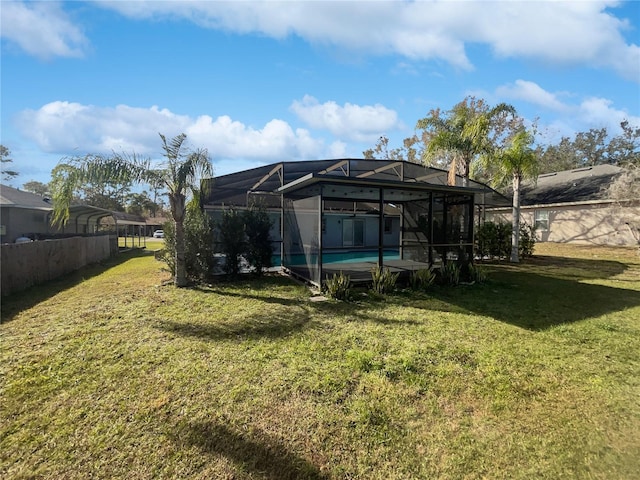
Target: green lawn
(111,373)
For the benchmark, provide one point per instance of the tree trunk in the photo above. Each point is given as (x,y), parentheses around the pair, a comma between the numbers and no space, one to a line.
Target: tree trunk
(515,233)
(177,202)
(466,165)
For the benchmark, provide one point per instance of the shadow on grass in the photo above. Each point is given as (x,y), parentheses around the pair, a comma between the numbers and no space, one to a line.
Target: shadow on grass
(361,310)
(16,302)
(228,292)
(254,453)
(542,293)
(261,325)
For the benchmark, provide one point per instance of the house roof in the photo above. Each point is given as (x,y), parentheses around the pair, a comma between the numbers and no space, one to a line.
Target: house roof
(232,189)
(12,197)
(569,186)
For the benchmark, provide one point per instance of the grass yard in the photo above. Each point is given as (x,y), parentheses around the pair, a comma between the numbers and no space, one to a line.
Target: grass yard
(110,373)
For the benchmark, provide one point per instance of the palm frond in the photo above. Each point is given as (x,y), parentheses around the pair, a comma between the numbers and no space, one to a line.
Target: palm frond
(73,172)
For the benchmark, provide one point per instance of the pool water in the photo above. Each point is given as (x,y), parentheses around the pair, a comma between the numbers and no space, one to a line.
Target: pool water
(341,257)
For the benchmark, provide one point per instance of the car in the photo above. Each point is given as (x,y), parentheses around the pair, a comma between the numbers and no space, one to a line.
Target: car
(158,234)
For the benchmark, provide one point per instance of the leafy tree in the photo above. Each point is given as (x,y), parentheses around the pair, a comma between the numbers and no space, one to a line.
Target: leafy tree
(594,147)
(232,239)
(517,161)
(555,158)
(178,173)
(107,194)
(258,234)
(141,204)
(199,236)
(624,149)
(381,150)
(38,188)
(591,147)
(5,157)
(467,131)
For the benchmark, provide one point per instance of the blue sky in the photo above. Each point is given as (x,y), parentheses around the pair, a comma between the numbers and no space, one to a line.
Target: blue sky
(259,82)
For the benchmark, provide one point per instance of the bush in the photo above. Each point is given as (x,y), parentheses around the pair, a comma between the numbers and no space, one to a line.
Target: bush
(383,281)
(493,240)
(257,225)
(527,240)
(477,273)
(422,279)
(232,239)
(199,241)
(451,273)
(338,286)
(503,246)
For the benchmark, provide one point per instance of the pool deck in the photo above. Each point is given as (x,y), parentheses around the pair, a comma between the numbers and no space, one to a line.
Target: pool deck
(361,271)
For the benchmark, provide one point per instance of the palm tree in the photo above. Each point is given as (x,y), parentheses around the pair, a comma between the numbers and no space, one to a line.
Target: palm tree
(179,174)
(463,132)
(517,161)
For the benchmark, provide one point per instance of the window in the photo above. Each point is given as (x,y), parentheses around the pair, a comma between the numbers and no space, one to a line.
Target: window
(541,220)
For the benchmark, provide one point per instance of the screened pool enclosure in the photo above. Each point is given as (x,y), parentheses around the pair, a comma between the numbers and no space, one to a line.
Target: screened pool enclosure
(353,215)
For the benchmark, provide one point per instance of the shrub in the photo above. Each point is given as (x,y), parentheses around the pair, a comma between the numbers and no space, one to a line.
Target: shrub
(338,286)
(257,229)
(383,281)
(451,273)
(232,239)
(503,241)
(199,241)
(422,279)
(527,240)
(493,240)
(477,273)
(485,235)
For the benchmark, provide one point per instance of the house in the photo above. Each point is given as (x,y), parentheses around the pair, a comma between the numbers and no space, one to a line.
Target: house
(351,215)
(24,214)
(574,206)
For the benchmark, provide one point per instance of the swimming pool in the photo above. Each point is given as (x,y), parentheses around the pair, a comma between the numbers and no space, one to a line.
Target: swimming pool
(348,256)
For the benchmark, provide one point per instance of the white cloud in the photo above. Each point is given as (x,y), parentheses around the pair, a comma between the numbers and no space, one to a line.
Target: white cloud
(72,128)
(275,141)
(567,33)
(42,29)
(354,122)
(587,113)
(600,112)
(532,93)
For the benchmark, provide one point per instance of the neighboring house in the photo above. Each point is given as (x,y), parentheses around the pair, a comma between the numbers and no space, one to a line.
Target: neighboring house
(24,214)
(574,206)
(351,215)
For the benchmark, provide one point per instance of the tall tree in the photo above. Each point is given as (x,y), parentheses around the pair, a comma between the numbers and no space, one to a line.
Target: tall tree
(107,194)
(517,162)
(594,147)
(179,173)
(5,157)
(467,131)
(624,148)
(381,150)
(558,157)
(38,188)
(141,204)
(591,147)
